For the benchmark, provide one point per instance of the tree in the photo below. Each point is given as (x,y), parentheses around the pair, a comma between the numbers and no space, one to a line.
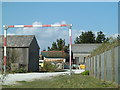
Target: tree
(66,48)
(54,46)
(85,37)
(77,40)
(49,49)
(100,37)
(58,45)
(44,49)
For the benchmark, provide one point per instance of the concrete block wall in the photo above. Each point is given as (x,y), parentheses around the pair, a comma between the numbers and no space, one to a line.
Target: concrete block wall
(105,66)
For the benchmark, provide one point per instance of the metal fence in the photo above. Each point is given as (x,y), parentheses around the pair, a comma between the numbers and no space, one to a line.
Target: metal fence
(105,66)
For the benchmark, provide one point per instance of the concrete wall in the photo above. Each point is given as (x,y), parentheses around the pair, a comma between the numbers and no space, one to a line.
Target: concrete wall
(105,66)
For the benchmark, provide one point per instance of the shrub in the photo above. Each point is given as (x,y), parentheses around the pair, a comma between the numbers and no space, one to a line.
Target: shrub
(20,70)
(48,66)
(85,72)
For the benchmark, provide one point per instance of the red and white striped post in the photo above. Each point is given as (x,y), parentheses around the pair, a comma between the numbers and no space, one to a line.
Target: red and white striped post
(5,48)
(22,26)
(70,47)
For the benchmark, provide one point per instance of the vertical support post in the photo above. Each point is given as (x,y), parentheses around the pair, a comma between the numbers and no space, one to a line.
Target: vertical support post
(70,47)
(5,46)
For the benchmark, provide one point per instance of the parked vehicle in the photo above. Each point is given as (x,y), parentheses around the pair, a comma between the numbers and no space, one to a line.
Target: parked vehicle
(75,66)
(41,63)
(82,66)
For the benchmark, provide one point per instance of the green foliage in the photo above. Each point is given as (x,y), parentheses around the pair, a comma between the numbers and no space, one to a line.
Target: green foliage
(21,70)
(48,66)
(54,46)
(59,45)
(111,43)
(89,37)
(77,41)
(100,37)
(85,72)
(64,81)
(49,49)
(85,37)
(44,49)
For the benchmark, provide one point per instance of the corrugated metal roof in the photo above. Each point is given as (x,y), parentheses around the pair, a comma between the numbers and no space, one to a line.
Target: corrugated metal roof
(84,48)
(18,40)
(54,54)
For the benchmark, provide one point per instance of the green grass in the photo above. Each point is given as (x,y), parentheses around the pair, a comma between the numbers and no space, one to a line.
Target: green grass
(65,81)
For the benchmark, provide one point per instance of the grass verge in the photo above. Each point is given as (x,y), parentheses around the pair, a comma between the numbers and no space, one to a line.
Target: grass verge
(64,81)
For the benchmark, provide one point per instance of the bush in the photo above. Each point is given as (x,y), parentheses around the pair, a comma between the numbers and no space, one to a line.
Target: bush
(21,70)
(85,72)
(48,66)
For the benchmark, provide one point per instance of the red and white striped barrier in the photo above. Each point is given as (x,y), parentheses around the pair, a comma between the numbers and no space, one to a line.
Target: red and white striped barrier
(22,26)
(5,49)
(70,47)
(52,25)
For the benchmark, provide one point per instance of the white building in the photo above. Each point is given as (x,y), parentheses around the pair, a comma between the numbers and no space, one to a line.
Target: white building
(80,51)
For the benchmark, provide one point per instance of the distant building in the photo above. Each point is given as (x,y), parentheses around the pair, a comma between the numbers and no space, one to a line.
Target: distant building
(80,51)
(55,56)
(23,51)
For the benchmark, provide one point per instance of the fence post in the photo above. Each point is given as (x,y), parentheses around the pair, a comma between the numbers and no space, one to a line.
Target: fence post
(100,66)
(113,65)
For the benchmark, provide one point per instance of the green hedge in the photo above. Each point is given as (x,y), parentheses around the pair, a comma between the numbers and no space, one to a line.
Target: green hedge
(85,72)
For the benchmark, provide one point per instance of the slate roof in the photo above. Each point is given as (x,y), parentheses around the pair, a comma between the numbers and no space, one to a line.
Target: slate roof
(18,40)
(84,48)
(54,54)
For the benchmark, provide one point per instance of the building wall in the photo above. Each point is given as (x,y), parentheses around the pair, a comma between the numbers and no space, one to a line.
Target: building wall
(23,56)
(26,52)
(20,55)
(81,57)
(55,59)
(33,56)
(80,51)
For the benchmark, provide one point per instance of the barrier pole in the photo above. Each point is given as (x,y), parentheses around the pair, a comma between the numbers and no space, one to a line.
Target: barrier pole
(5,46)
(70,47)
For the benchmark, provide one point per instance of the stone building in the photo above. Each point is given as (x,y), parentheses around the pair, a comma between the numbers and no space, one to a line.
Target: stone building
(23,51)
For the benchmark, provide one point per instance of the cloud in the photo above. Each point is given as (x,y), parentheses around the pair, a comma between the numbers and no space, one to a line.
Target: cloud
(10,33)
(36,23)
(114,35)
